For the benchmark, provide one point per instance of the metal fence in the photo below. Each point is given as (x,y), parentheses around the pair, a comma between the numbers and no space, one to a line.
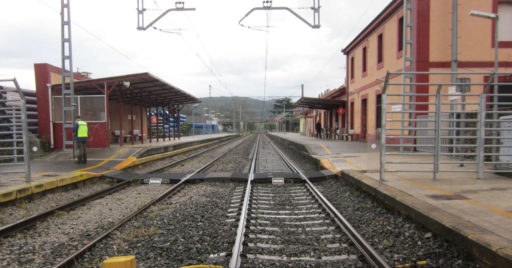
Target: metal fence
(426,132)
(448,127)
(14,144)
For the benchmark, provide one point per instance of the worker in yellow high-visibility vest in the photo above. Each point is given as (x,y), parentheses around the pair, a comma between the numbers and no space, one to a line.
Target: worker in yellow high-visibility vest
(80,132)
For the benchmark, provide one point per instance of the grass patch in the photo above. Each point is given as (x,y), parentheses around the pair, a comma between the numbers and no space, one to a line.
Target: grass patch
(134,233)
(163,207)
(153,214)
(21,203)
(59,213)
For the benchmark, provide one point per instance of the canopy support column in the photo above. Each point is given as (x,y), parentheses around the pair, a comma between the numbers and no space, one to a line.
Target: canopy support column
(131,122)
(107,114)
(121,132)
(157,125)
(148,113)
(179,122)
(141,125)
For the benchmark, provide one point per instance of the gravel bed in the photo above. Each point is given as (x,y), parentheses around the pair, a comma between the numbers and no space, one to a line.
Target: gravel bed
(238,160)
(299,156)
(199,161)
(268,158)
(52,240)
(185,229)
(35,204)
(395,237)
(160,163)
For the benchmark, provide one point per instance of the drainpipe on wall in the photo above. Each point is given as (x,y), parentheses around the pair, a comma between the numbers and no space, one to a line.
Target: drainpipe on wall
(453,78)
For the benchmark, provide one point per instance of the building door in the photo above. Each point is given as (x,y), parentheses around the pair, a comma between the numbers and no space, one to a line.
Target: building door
(363,118)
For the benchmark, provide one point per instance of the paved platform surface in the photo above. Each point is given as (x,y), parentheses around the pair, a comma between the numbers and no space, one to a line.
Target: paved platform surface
(56,168)
(480,209)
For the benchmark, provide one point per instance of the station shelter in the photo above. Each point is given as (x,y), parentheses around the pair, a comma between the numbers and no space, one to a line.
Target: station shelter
(118,109)
(328,109)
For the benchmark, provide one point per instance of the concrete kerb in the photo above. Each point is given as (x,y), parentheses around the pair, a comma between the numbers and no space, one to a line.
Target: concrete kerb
(20,191)
(159,154)
(490,249)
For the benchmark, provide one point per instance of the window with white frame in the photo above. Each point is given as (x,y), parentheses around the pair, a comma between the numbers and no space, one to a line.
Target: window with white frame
(504,21)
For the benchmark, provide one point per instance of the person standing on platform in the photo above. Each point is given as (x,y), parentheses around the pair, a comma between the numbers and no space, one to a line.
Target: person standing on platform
(80,132)
(318,130)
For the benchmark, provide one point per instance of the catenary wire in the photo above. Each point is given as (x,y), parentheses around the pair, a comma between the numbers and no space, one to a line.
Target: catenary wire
(98,38)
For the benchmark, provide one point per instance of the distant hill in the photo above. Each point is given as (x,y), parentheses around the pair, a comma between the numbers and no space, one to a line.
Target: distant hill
(251,108)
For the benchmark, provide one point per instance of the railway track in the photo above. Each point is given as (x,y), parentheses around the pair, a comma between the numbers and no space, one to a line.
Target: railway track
(67,209)
(74,257)
(31,220)
(234,223)
(293,224)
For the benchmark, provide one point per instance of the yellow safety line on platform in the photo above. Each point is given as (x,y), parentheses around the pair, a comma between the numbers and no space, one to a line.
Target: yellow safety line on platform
(326,163)
(325,148)
(419,263)
(469,201)
(493,209)
(103,162)
(435,189)
(424,185)
(352,164)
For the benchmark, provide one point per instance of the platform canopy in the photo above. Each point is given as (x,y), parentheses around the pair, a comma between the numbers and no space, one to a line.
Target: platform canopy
(140,88)
(317,103)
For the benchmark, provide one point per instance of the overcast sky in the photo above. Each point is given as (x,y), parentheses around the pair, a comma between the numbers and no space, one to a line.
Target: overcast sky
(208,47)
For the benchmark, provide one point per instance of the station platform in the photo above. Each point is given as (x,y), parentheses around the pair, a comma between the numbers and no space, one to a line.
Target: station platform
(476,214)
(58,168)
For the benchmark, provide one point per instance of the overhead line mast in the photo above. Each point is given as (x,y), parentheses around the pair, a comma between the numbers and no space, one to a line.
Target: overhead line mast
(267,6)
(68,90)
(179,6)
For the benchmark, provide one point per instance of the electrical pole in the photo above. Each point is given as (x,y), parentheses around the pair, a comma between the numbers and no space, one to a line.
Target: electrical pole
(284,115)
(67,75)
(233,118)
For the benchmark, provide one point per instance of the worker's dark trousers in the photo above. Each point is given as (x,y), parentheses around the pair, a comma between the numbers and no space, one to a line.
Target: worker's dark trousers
(82,152)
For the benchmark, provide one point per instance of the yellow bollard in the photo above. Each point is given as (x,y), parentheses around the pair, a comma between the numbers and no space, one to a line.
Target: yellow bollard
(120,262)
(203,266)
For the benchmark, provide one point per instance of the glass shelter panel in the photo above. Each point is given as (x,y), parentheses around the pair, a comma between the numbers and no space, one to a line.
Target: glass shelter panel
(92,108)
(57,109)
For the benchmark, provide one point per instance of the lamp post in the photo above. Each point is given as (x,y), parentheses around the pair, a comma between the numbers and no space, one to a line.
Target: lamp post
(495,17)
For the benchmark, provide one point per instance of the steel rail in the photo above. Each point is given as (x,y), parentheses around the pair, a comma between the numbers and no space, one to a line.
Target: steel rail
(26,222)
(366,249)
(236,256)
(194,155)
(71,260)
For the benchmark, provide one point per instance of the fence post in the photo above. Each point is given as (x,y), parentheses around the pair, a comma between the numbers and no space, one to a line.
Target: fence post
(383,138)
(481,137)
(383,129)
(437,148)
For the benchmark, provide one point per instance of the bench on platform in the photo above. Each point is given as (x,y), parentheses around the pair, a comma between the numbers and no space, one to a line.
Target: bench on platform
(117,134)
(137,135)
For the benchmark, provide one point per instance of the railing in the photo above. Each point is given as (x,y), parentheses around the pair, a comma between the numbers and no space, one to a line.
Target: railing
(14,145)
(448,127)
